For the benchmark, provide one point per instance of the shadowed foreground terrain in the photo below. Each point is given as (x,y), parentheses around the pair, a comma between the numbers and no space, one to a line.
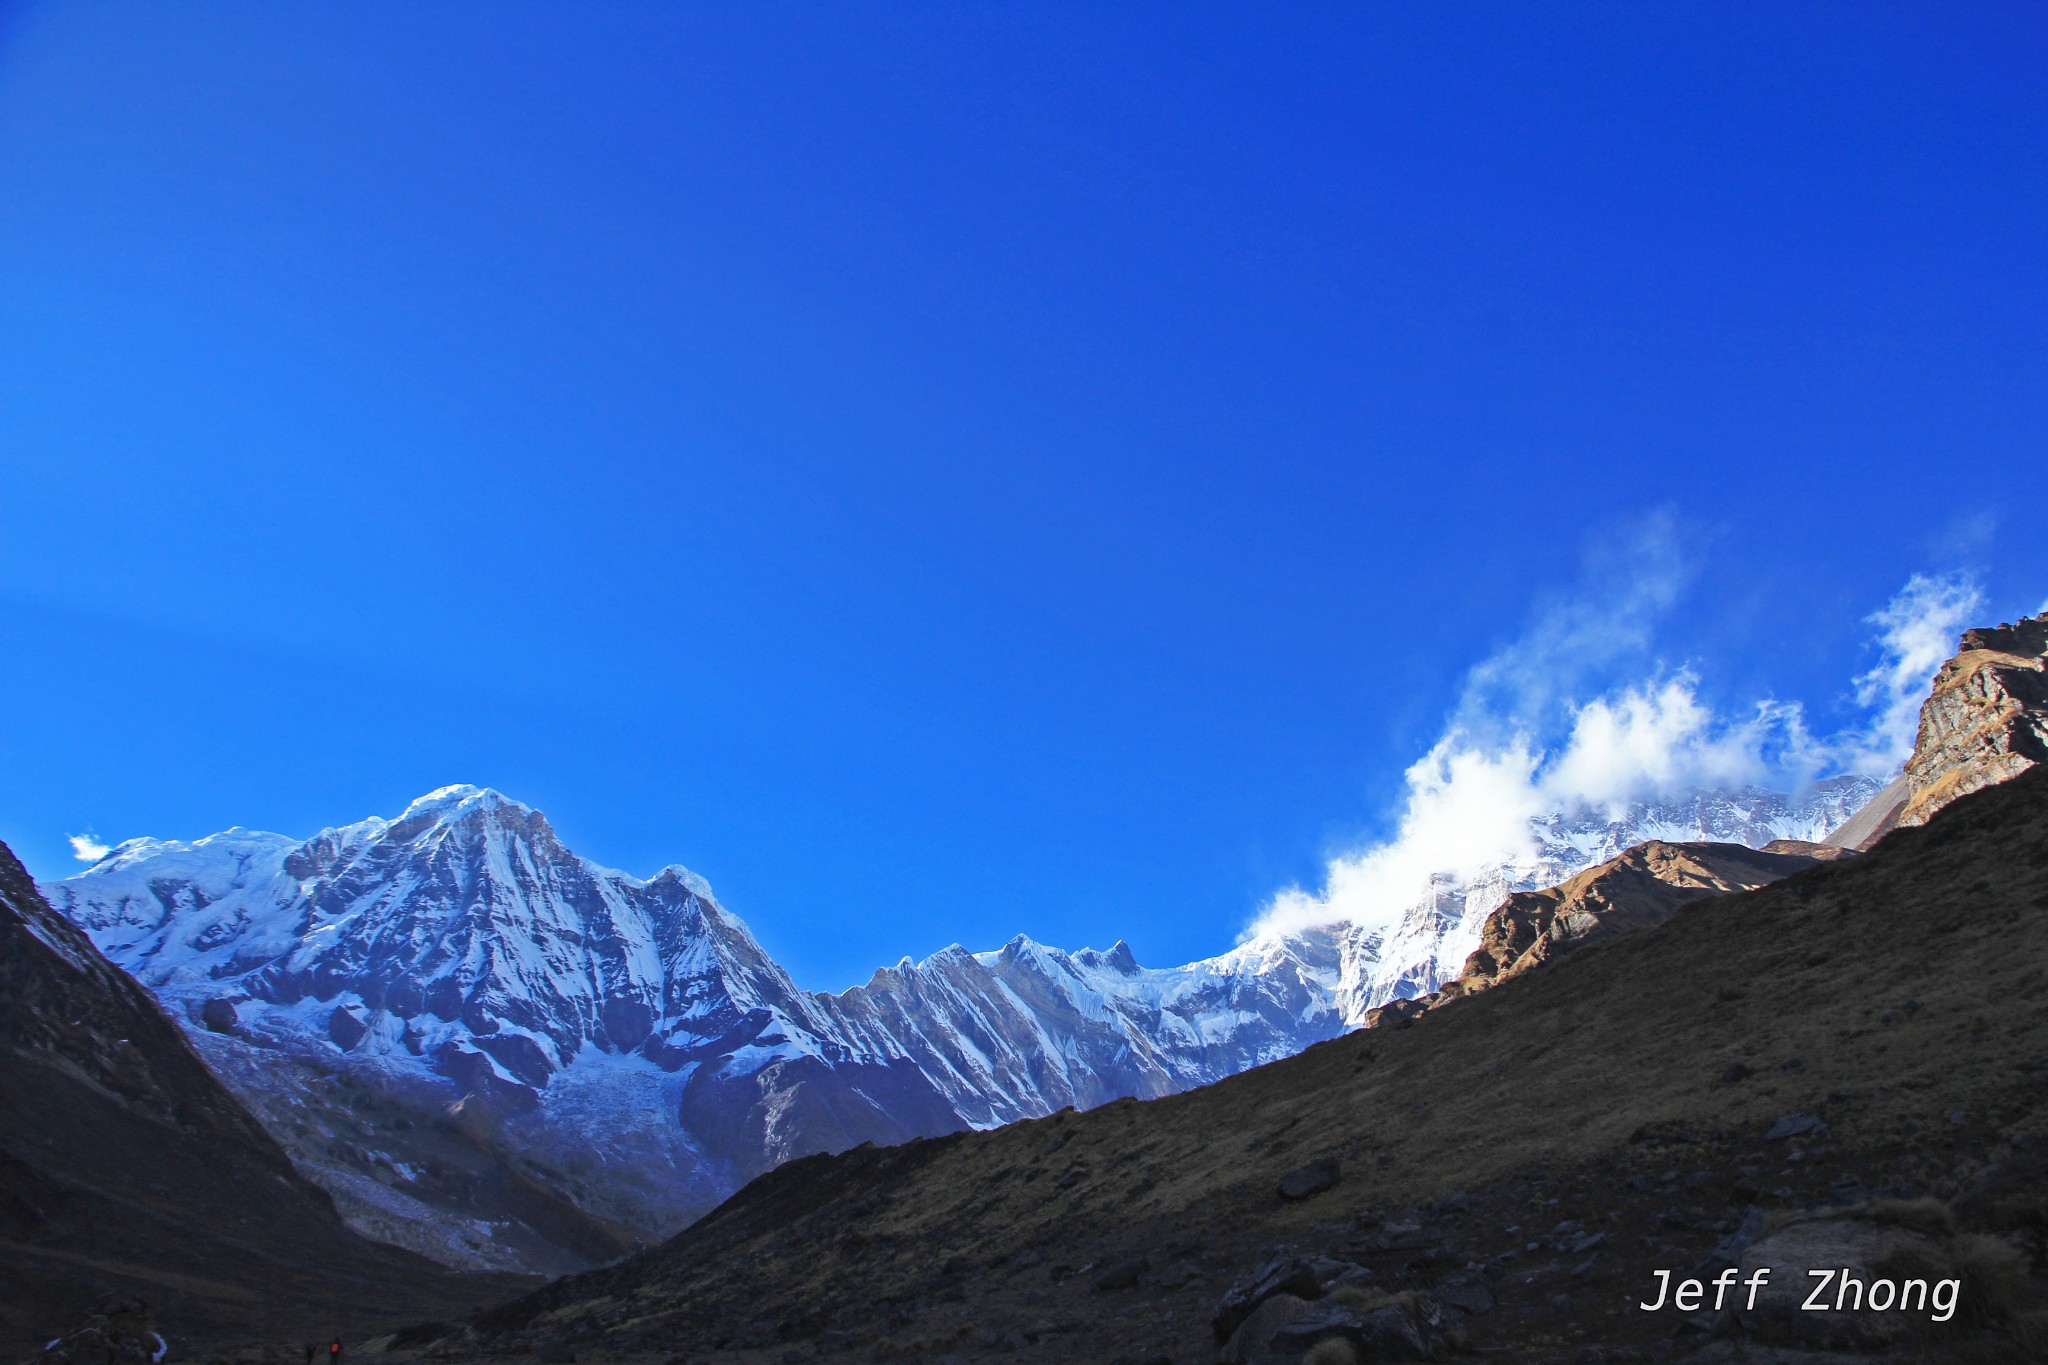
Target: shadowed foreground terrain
(1529,1156)
(126,1167)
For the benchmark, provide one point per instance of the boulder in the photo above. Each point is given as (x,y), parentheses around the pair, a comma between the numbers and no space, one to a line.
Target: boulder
(1310,1180)
(1121,1274)
(218,1014)
(1280,1273)
(116,1332)
(1253,1336)
(1403,1329)
(1795,1125)
(1466,1293)
(346,1028)
(1839,1242)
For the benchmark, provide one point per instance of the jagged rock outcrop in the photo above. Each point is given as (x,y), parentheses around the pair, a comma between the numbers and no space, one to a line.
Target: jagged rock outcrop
(1986,720)
(1641,888)
(124,1161)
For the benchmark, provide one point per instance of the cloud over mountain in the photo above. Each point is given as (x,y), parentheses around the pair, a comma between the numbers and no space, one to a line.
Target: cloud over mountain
(1537,733)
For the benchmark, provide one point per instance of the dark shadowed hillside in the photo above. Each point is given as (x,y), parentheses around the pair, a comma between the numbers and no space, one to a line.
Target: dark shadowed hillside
(125,1166)
(1867,1026)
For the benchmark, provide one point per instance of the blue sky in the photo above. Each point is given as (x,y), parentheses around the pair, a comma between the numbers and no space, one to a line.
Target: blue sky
(947,471)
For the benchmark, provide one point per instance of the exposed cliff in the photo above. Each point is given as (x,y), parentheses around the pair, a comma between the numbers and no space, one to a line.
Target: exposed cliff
(1987,719)
(1641,888)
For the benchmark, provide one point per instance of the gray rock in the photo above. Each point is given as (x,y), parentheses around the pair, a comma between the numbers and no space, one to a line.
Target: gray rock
(1728,1251)
(1827,1241)
(218,1014)
(1467,1293)
(1311,1180)
(1122,1274)
(1397,1331)
(1256,1331)
(1280,1273)
(1795,1125)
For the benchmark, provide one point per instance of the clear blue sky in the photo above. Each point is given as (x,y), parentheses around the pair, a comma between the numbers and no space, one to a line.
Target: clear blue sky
(950,470)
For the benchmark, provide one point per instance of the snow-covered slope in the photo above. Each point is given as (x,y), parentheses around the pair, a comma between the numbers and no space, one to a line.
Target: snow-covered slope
(592,1019)
(1028,1030)
(622,1053)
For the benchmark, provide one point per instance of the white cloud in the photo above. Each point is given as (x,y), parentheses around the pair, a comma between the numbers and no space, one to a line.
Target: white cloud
(1469,802)
(1466,808)
(1917,633)
(1521,743)
(87,849)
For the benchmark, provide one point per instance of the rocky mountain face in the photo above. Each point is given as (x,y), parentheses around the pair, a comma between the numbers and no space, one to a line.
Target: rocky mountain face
(1639,889)
(1764,1078)
(1986,720)
(125,1163)
(503,1056)
(461,1028)
(1429,944)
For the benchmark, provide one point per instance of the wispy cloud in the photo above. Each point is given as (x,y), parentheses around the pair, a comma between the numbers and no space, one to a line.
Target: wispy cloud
(1628,580)
(1541,728)
(87,849)
(1916,633)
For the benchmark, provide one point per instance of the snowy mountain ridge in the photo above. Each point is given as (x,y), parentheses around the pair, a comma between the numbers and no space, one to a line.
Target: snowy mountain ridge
(461,954)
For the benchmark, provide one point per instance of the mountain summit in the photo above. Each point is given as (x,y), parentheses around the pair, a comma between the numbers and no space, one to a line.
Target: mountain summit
(461,955)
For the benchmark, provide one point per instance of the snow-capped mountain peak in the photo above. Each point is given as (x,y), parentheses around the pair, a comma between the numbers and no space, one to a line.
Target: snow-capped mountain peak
(456,797)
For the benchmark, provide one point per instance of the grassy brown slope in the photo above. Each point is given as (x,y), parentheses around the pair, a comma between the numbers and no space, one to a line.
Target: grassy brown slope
(1900,995)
